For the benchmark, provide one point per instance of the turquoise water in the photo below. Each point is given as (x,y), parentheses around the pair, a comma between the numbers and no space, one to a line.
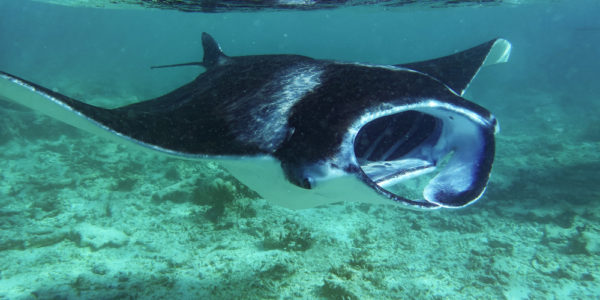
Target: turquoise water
(84,218)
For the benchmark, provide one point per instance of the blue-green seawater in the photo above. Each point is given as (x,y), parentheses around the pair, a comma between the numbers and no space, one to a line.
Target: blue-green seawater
(84,218)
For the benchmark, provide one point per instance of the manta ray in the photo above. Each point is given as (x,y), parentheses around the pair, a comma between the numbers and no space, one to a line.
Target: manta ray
(304,132)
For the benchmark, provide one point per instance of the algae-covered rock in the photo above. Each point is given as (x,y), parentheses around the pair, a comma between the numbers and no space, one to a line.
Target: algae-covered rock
(291,237)
(335,288)
(592,241)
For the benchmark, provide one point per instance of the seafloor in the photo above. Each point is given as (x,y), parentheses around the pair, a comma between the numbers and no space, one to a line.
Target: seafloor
(81,217)
(84,218)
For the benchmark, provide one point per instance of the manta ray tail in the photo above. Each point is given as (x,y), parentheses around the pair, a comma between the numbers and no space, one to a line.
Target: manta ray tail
(195,63)
(213,55)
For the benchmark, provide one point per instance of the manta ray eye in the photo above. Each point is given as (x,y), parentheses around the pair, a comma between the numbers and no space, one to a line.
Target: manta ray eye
(307,182)
(298,175)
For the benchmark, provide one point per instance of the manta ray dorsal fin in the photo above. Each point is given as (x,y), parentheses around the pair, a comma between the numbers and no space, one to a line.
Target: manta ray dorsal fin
(459,69)
(213,55)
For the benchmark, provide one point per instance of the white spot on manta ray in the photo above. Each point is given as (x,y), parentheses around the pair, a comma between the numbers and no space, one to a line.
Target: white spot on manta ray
(268,128)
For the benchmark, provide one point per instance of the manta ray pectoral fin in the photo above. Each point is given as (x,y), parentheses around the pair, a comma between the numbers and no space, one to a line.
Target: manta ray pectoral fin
(57,106)
(41,99)
(459,69)
(213,55)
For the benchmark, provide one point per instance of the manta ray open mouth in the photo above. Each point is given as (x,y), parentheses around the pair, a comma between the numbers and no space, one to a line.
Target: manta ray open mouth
(396,151)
